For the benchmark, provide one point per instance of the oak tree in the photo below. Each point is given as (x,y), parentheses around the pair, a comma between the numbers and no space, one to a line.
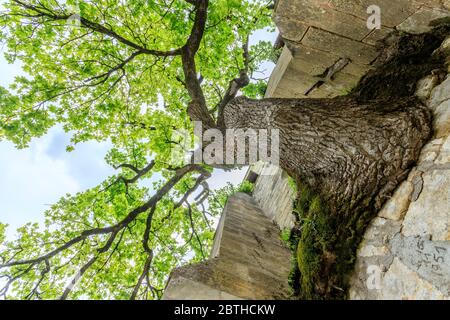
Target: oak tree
(135,71)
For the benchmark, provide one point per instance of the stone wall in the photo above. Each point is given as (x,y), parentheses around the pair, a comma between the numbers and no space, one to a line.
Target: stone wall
(324,34)
(405,253)
(273,194)
(248,260)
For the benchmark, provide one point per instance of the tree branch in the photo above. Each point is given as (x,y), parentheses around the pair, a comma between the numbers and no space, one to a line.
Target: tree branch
(236,84)
(47,13)
(112,230)
(197,109)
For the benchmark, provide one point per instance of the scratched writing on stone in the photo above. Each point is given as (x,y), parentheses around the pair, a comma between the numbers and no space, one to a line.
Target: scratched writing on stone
(429,259)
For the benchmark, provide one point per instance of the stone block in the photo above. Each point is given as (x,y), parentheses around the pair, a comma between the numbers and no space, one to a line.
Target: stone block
(419,22)
(442,120)
(393,12)
(250,260)
(376,35)
(442,4)
(321,15)
(430,214)
(277,74)
(357,52)
(396,207)
(440,94)
(399,282)
(290,29)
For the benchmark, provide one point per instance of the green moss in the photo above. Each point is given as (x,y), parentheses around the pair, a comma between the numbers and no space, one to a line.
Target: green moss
(323,248)
(308,262)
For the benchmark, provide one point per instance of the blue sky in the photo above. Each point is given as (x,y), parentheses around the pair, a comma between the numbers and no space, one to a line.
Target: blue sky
(33,178)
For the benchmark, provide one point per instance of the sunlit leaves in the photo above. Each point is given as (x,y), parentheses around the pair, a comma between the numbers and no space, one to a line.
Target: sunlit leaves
(2,232)
(95,80)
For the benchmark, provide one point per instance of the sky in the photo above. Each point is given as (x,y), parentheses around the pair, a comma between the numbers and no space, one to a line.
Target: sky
(32,179)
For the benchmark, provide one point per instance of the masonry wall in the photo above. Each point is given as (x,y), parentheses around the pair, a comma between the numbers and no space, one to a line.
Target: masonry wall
(248,261)
(274,194)
(322,34)
(405,253)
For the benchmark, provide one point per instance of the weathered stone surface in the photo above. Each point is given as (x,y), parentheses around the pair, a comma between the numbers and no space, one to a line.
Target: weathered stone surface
(376,35)
(248,259)
(444,156)
(445,47)
(440,94)
(274,195)
(396,207)
(401,283)
(419,22)
(310,60)
(440,104)
(396,257)
(429,259)
(181,288)
(321,32)
(358,52)
(430,214)
(374,256)
(442,120)
(393,12)
(278,73)
(420,252)
(430,152)
(324,16)
(442,4)
(426,86)
(293,30)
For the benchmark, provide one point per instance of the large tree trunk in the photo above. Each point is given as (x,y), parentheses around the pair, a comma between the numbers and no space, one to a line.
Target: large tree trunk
(347,154)
(350,152)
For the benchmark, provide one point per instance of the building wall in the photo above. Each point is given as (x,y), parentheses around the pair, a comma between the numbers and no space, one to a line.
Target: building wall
(406,250)
(273,194)
(324,34)
(248,261)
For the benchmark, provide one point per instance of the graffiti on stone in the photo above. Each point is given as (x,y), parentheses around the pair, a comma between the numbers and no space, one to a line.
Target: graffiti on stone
(429,259)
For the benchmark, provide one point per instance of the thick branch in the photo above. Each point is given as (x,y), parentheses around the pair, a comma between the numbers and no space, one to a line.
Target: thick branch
(197,109)
(47,13)
(114,229)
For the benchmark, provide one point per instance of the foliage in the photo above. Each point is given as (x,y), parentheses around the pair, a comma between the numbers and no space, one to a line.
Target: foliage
(2,232)
(285,236)
(218,198)
(246,187)
(292,184)
(111,70)
(310,240)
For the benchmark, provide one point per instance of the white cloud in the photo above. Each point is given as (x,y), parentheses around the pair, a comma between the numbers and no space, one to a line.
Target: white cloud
(31,179)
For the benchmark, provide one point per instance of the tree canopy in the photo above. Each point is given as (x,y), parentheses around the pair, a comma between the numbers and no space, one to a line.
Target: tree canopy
(131,73)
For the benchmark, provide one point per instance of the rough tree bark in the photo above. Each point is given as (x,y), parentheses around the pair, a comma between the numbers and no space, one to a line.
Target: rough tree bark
(352,152)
